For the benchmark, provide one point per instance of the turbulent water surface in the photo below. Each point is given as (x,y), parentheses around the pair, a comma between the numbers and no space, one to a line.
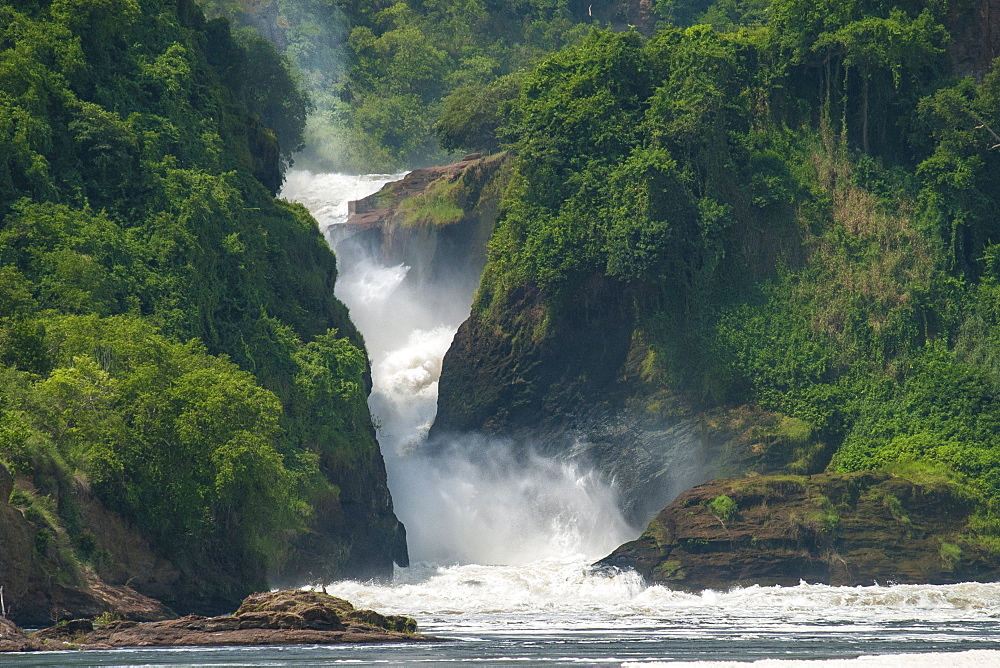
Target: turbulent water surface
(501,543)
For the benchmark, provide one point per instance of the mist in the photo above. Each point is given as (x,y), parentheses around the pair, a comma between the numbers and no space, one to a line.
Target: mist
(470,499)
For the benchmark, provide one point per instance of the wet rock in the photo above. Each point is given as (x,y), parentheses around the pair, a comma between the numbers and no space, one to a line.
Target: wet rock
(851,529)
(270,618)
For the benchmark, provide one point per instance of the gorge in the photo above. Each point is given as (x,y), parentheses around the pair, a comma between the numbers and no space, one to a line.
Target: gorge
(694,355)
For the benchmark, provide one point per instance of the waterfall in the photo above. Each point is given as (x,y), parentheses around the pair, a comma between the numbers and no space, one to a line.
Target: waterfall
(473,500)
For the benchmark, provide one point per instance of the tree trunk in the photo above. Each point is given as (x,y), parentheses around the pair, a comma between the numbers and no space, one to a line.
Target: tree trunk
(864,112)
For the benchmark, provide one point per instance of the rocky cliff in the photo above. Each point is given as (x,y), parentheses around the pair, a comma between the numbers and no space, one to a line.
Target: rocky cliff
(436,220)
(854,529)
(40,585)
(584,390)
(975,32)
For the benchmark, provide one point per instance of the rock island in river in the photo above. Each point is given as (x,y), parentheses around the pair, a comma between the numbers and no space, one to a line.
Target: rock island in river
(272,618)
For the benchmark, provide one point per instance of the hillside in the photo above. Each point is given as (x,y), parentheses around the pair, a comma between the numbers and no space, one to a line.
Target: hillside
(183,403)
(767,246)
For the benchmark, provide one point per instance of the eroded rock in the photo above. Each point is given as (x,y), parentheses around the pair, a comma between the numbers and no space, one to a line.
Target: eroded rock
(270,618)
(851,529)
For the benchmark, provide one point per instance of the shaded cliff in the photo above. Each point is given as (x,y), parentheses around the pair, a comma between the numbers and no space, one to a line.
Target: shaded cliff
(975,36)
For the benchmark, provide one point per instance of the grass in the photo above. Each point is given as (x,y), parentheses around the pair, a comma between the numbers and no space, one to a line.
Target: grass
(723,507)
(950,554)
(934,477)
(437,205)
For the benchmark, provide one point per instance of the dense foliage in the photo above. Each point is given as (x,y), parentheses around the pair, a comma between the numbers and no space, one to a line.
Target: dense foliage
(797,198)
(801,206)
(387,76)
(168,331)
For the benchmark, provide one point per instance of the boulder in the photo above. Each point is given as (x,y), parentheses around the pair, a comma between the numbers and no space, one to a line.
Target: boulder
(269,618)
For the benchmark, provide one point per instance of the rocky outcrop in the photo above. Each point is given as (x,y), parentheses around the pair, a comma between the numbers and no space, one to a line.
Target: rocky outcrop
(282,617)
(436,220)
(42,585)
(854,529)
(582,389)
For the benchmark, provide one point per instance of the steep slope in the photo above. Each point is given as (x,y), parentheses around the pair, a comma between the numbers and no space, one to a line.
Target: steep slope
(176,371)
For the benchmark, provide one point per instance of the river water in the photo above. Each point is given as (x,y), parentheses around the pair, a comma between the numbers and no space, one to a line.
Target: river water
(501,545)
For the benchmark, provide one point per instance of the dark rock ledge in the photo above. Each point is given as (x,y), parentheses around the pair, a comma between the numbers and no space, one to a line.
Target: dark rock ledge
(273,618)
(842,530)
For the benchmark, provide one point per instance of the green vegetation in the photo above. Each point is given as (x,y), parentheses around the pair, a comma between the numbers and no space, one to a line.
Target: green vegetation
(723,507)
(168,331)
(798,202)
(389,77)
(951,554)
(436,205)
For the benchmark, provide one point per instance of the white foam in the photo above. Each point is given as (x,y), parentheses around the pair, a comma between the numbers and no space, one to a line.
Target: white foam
(973,659)
(411,372)
(326,195)
(569,586)
(486,504)
(369,287)
(545,587)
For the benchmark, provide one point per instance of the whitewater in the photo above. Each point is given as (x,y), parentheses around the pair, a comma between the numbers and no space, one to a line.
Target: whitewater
(501,545)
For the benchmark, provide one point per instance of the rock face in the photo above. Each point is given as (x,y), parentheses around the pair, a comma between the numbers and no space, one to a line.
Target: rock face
(359,515)
(40,586)
(281,617)
(975,37)
(853,529)
(582,390)
(435,220)
(130,558)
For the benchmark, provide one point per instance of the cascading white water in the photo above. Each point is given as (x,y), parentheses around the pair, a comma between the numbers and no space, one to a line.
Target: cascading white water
(326,195)
(491,507)
(501,544)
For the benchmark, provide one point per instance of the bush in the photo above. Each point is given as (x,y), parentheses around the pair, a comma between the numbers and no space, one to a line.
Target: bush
(723,507)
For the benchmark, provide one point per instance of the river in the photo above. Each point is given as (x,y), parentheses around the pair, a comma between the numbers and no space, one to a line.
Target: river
(500,546)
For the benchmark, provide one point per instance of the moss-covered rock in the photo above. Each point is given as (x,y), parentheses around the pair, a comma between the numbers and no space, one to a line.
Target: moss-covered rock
(269,618)
(854,529)
(436,220)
